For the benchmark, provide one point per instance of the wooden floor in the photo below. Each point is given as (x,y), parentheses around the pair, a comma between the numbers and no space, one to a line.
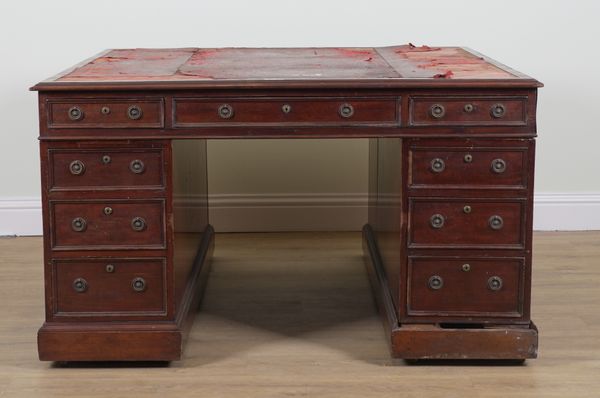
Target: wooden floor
(291,314)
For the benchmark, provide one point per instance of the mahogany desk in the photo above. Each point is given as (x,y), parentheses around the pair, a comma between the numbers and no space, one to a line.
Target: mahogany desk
(127,240)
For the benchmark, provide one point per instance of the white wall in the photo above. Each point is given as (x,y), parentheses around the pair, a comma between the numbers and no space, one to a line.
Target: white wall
(554,41)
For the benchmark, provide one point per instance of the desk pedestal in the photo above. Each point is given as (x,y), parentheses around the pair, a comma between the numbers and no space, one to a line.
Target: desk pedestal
(432,341)
(129,341)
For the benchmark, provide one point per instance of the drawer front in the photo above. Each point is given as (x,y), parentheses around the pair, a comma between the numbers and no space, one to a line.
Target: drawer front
(109,287)
(464,223)
(106,169)
(107,224)
(105,113)
(190,112)
(465,287)
(468,167)
(468,110)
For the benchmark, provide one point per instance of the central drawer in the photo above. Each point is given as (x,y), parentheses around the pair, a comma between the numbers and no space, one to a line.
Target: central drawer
(107,224)
(466,223)
(109,287)
(193,112)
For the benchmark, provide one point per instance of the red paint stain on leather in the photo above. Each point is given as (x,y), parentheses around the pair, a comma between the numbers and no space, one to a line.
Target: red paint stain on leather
(435,62)
(354,52)
(439,60)
(412,48)
(108,59)
(132,64)
(294,63)
(446,75)
(201,56)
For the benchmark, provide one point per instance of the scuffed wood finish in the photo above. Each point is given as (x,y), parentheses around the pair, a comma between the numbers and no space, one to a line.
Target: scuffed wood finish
(145,342)
(190,208)
(109,292)
(468,166)
(433,340)
(93,324)
(106,168)
(468,110)
(124,181)
(385,202)
(453,179)
(466,229)
(259,114)
(131,341)
(286,111)
(466,293)
(105,113)
(108,231)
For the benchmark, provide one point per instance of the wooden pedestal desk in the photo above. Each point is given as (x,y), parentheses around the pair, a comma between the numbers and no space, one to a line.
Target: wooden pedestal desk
(127,240)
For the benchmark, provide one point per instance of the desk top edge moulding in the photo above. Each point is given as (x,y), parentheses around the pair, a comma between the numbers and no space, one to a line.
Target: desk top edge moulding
(127,237)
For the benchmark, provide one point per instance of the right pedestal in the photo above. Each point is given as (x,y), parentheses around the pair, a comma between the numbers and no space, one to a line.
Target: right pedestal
(434,341)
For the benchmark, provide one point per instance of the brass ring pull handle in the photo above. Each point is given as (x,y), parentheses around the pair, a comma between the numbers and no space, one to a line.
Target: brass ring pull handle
(137,166)
(138,224)
(495,283)
(496,222)
(436,282)
(78,224)
(437,111)
(134,112)
(77,167)
(80,285)
(498,166)
(225,111)
(498,110)
(437,221)
(75,113)
(138,284)
(437,165)
(346,110)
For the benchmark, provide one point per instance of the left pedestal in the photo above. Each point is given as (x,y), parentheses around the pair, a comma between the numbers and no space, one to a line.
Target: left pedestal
(127,248)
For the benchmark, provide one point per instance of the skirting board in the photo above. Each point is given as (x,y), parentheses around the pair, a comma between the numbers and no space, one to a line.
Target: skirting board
(20,216)
(316,212)
(287,212)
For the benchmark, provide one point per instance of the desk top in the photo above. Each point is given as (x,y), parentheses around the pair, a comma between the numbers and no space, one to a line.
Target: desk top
(397,66)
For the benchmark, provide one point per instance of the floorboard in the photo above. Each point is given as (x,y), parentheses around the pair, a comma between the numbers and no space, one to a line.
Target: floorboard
(291,314)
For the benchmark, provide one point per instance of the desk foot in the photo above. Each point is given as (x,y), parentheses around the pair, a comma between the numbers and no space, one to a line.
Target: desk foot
(130,341)
(432,341)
